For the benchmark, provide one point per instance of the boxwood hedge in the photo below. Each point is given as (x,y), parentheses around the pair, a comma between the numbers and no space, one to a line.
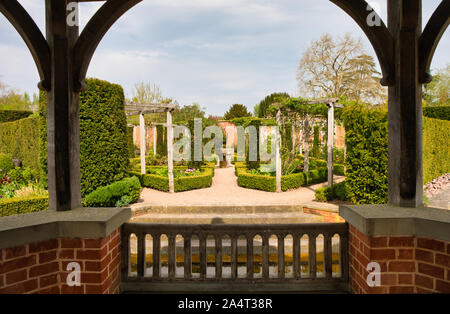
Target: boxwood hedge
(23,205)
(161,183)
(110,195)
(268,183)
(13,115)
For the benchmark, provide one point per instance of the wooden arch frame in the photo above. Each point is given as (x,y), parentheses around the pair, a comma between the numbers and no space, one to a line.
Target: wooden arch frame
(32,36)
(379,36)
(430,38)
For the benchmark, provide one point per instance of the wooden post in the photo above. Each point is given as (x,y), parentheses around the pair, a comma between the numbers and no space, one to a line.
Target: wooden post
(330,142)
(293,136)
(170,151)
(154,141)
(63,131)
(278,153)
(142,137)
(405,106)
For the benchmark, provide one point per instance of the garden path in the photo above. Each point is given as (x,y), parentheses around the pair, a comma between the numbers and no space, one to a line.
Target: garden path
(225,191)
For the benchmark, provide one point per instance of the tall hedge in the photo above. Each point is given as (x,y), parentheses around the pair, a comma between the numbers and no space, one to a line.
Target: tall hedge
(20,140)
(366,138)
(436,148)
(438,112)
(103,135)
(13,115)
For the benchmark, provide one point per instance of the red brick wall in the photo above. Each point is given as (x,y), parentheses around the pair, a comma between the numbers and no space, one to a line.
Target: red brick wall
(408,264)
(41,267)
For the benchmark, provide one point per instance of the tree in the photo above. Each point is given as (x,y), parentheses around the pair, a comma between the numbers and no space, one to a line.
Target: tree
(261,108)
(188,112)
(11,99)
(436,93)
(237,111)
(339,68)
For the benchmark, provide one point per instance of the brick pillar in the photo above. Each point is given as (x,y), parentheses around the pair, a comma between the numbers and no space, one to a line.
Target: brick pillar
(41,267)
(408,264)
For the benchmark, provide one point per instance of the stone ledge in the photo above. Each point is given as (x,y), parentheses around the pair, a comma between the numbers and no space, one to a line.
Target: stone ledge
(78,223)
(386,220)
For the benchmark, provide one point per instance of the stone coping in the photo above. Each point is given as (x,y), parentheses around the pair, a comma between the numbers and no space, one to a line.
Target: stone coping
(19,230)
(385,220)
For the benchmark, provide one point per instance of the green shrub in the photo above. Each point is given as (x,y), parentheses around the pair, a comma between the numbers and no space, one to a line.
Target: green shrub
(255,181)
(104,148)
(23,205)
(326,193)
(340,191)
(338,169)
(110,195)
(268,183)
(438,112)
(187,183)
(20,139)
(6,163)
(367,152)
(323,194)
(22,176)
(13,115)
(436,148)
(293,181)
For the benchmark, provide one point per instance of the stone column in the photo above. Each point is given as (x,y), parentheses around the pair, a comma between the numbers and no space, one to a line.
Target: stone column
(278,153)
(330,142)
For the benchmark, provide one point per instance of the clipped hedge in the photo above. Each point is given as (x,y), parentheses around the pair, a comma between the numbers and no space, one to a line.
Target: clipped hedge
(161,183)
(436,148)
(288,182)
(109,195)
(23,205)
(104,143)
(366,133)
(438,112)
(20,139)
(13,115)
(339,169)
(6,163)
(326,193)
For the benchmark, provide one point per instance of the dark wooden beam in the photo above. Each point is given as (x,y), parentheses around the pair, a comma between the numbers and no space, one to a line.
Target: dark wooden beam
(379,36)
(93,33)
(405,106)
(32,36)
(430,38)
(63,134)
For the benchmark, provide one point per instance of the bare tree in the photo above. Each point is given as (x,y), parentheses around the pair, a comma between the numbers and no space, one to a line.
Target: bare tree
(339,67)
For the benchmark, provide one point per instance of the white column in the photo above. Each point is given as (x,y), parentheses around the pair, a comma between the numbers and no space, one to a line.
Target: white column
(330,142)
(170,151)
(278,153)
(142,137)
(154,141)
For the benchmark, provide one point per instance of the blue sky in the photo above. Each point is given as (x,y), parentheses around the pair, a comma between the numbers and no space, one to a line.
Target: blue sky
(214,52)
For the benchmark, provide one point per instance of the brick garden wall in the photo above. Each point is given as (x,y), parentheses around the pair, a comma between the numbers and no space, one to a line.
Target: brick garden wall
(41,267)
(408,264)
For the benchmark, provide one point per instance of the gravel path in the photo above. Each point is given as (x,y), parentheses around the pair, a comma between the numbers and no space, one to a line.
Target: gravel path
(225,191)
(438,192)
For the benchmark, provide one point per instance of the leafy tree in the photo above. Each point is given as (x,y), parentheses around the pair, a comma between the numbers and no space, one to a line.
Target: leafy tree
(339,67)
(237,111)
(188,112)
(11,99)
(436,93)
(261,108)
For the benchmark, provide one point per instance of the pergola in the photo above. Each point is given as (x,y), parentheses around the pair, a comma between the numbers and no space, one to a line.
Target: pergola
(63,56)
(331,103)
(132,109)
